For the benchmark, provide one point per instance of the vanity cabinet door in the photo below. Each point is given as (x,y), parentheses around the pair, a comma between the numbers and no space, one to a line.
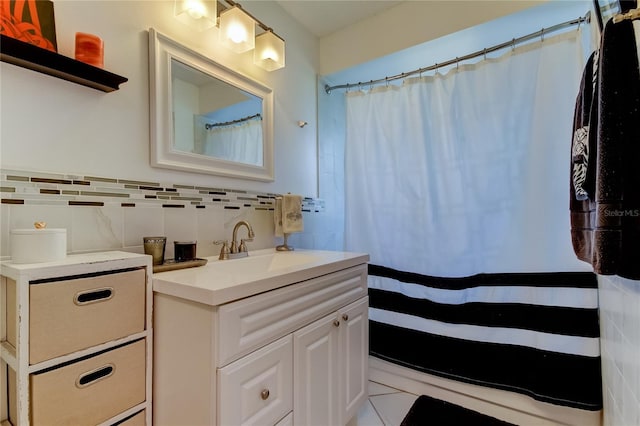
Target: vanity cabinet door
(257,389)
(331,366)
(316,370)
(354,344)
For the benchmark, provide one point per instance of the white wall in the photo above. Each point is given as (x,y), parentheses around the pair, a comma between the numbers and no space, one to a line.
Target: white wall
(54,129)
(459,43)
(407,24)
(52,125)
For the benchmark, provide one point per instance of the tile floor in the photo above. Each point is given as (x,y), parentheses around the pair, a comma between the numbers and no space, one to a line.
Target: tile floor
(385,407)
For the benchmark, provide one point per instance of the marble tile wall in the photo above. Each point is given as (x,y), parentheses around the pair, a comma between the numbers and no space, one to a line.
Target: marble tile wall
(111,213)
(620,347)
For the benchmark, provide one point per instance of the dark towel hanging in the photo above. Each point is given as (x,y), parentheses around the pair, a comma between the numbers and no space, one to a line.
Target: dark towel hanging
(605,195)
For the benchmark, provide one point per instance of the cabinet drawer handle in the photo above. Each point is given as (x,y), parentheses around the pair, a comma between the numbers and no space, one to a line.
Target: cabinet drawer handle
(264,394)
(93,296)
(336,323)
(345,317)
(93,376)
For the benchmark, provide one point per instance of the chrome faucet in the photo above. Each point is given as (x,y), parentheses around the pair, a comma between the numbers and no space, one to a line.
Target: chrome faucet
(236,251)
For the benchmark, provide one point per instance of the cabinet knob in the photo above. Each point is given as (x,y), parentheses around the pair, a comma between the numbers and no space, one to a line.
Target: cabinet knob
(345,317)
(264,394)
(336,323)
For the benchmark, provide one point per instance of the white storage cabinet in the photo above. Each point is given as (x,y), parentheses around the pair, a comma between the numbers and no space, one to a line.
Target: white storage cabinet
(76,341)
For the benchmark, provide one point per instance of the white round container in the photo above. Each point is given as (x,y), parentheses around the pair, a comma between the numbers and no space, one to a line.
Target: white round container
(38,245)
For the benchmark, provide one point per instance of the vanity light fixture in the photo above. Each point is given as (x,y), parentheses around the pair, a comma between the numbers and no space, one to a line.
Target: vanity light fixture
(269,51)
(200,14)
(237,29)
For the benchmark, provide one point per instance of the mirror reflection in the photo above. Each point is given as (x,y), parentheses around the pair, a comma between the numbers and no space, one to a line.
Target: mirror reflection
(205,117)
(214,118)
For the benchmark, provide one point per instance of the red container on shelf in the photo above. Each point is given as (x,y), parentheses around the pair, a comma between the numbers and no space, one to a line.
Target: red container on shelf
(90,49)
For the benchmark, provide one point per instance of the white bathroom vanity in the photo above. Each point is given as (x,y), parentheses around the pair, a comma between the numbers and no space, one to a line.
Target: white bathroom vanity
(276,338)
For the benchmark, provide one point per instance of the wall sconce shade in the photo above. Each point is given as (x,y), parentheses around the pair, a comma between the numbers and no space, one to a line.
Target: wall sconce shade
(237,30)
(199,14)
(269,51)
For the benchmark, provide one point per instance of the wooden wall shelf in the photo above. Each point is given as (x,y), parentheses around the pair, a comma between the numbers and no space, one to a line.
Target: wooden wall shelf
(45,61)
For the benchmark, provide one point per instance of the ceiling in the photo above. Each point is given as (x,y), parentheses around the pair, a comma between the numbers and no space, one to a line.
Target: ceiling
(323,17)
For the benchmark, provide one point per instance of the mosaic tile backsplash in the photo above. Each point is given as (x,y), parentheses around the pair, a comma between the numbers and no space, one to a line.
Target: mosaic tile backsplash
(109,213)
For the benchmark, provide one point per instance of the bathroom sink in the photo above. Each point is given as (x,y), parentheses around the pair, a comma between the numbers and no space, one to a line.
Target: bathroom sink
(221,281)
(264,263)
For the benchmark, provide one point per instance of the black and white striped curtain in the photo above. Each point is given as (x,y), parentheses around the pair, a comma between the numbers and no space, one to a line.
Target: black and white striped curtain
(457,187)
(532,333)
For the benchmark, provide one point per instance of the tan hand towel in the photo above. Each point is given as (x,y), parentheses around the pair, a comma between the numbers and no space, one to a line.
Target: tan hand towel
(277,217)
(292,214)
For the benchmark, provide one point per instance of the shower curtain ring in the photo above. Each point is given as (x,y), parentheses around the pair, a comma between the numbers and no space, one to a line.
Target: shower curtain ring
(513,44)
(457,63)
(542,34)
(484,53)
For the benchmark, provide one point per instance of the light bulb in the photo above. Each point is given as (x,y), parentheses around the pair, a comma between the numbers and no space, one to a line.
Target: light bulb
(237,30)
(269,52)
(237,34)
(196,9)
(198,14)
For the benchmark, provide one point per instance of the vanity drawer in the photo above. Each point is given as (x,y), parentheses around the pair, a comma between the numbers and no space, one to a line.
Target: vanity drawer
(70,315)
(257,320)
(92,390)
(257,389)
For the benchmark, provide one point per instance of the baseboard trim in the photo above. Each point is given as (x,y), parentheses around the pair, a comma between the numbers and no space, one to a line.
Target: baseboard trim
(508,406)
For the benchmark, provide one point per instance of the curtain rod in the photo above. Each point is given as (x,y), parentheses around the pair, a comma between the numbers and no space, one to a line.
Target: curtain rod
(541,33)
(227,123)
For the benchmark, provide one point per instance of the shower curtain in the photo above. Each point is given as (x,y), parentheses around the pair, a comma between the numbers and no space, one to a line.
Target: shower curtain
(456,186)
(238,142)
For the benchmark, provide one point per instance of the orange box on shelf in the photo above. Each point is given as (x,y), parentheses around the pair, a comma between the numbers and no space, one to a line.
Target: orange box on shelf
(90,49)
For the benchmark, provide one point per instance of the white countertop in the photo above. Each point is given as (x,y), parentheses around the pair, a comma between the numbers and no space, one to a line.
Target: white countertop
(222,281)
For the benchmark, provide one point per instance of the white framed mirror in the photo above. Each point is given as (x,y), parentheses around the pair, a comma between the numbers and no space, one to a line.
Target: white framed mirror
(207,118)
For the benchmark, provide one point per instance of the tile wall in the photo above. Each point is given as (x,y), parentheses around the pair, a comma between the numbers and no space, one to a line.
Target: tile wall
(114,213)
(620,347)
(331,152)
